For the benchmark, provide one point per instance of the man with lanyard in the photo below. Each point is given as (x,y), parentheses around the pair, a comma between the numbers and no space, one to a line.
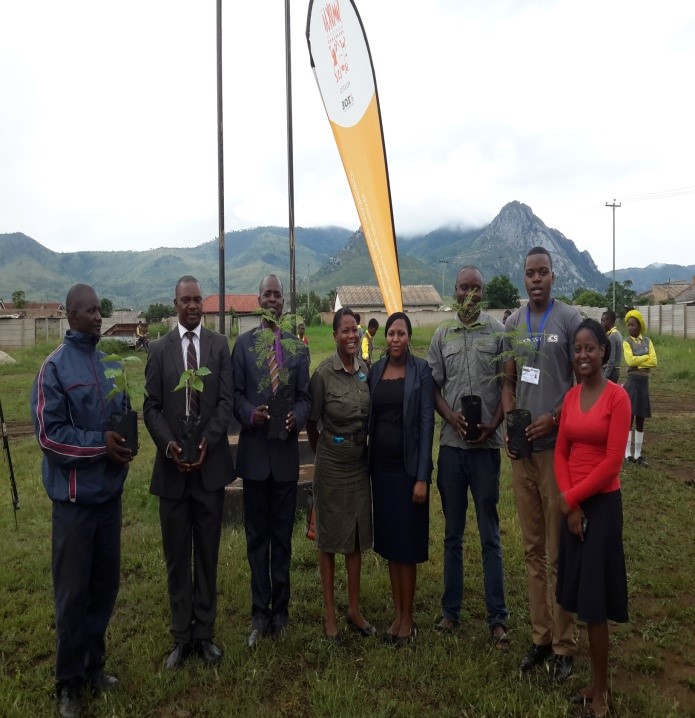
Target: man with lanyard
(537,374)
(611,369)
(466,358)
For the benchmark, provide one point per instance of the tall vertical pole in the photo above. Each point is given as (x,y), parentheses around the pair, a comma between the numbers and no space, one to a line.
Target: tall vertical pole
(290,159)
(220,170)
(614,205)
(444,263)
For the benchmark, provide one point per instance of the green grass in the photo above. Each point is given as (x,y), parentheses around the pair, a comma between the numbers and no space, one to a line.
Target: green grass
(652,659)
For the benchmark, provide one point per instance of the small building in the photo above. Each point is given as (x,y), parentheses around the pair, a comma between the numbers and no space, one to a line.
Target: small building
(367,300)
(241,307)
(33,309)
(421,302)
(666,291)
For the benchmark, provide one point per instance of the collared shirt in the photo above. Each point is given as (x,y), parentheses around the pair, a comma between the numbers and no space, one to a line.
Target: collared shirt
(467,359)
(639,354)
(340,400)
(185,340)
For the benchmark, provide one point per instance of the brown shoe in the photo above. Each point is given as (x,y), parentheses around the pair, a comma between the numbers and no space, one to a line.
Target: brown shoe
(446,625)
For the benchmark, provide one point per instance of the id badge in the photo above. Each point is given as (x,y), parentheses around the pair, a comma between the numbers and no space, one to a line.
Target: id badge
(530,374)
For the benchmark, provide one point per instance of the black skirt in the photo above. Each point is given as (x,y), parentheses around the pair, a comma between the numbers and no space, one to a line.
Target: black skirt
(591,576)
(637,388)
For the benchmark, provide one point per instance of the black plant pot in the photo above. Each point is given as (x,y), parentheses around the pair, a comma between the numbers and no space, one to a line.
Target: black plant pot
(279,407)
(472,409)
(190,433)
(518,421)
(125,423)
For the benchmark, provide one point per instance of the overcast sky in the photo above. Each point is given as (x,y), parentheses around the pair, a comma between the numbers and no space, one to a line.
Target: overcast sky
(108,120)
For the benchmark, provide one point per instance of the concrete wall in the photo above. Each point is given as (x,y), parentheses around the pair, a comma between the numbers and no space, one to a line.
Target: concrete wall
(675,320)
(26,332)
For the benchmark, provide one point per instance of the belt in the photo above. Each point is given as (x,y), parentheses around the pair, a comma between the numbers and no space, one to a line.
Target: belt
(359,438)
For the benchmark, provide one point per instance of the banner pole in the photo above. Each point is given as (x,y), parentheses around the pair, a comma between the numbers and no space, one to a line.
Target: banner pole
(290,161)
(220,173)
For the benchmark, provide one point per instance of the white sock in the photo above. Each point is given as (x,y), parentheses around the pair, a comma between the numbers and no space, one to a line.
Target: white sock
(627,448)
(639,440)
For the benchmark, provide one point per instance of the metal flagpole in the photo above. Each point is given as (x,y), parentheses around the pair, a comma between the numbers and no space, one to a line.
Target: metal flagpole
(290,159)
(220,170)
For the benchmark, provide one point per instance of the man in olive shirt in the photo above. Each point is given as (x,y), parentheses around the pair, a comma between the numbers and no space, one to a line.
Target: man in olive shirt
(465,358)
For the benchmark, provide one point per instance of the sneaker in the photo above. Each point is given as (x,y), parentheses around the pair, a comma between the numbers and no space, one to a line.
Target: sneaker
(535,657)
(629,460)
(560,668)
(641,462)
(446,625)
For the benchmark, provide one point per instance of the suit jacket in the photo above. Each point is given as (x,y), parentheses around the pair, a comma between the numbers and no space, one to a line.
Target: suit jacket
(164,407)
(258,457)
(418,415)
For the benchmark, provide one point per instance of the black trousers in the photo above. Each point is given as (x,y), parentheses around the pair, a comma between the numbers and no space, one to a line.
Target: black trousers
(86,562)
(269,508)
(191,528)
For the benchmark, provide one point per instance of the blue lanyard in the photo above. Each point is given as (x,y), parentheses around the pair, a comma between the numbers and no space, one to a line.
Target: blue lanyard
(538,336)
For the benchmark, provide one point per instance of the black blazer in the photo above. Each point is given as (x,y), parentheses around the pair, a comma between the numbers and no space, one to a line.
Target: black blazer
(257,456)
(418,415)
(163,408)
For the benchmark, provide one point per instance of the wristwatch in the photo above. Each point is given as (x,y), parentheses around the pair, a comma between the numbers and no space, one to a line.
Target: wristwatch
(555,418)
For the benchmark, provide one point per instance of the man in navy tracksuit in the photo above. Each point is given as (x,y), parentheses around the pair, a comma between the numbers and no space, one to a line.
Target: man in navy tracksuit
(84,468)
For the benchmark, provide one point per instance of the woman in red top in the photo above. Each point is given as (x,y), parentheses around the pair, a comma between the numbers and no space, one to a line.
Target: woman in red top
(591,577)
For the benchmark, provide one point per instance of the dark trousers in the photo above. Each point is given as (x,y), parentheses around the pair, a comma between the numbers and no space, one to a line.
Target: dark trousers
(191,528)
(269,508)
(86,561)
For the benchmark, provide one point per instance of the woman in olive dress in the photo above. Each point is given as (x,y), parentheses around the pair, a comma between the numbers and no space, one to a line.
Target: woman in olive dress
(342,497)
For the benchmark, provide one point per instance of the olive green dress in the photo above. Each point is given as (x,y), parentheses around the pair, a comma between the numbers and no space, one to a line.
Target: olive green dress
(342,493)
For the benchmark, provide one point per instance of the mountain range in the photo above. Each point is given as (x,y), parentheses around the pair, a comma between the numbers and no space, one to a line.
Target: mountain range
(325,258)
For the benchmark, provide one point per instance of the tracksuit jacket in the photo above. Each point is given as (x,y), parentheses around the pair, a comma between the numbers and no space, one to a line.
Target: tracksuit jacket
(70,413)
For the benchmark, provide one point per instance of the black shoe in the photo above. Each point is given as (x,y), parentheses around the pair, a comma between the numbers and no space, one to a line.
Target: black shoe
(365,631)
(278,624)
(641,462)
(69,703)
(535,656)
(560,668)
(99,682)
(177,657)
(254,637)
(208,652)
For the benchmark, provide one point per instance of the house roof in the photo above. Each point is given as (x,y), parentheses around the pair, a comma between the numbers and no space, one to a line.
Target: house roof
(241,303)
(686,297)
(414,295)
(672,289)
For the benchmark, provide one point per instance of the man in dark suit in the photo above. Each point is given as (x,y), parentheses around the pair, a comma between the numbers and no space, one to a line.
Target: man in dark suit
(191,494)
(269,466)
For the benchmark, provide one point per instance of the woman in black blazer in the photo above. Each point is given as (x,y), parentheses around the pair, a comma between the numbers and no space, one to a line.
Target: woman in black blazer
(401,427)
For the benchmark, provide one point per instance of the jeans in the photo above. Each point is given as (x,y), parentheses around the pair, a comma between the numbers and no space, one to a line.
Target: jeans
(479,470)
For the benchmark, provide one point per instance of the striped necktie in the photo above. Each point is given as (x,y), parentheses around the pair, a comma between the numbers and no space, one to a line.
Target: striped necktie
(192,363)
(274,370)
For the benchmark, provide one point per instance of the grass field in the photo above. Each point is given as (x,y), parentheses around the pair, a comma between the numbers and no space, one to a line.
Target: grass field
(652,658)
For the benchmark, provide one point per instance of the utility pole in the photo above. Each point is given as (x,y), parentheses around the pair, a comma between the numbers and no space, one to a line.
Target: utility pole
(614,205)
(444,263)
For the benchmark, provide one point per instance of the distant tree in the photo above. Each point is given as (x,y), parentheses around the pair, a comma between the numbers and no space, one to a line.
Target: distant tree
(500,293)
(624,297)
(589,298)
(157,312)
(564,298)
(577,292)
(106,307)
(19,299)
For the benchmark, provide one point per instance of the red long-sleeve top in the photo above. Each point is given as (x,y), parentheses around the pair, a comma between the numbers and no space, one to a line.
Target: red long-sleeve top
(591,444)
